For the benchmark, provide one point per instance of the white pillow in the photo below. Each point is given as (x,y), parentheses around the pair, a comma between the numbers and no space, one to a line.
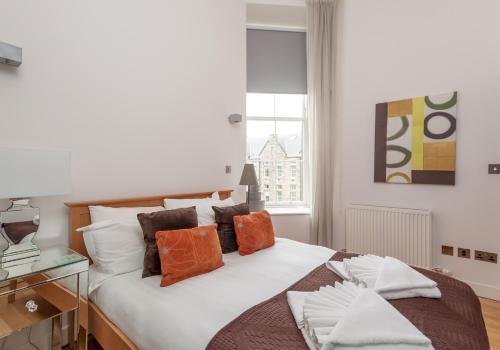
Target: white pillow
(203,206)
(116,225)
(115,247)
(128,215)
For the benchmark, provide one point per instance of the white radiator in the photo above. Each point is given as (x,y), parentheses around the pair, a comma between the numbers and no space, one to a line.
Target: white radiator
(402,233)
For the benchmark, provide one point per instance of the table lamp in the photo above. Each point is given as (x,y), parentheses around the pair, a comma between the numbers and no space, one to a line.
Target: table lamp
(249,178)
(27,173)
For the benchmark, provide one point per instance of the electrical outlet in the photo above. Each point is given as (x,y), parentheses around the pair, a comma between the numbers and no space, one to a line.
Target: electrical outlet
(494,169)
(464,253)
(485,256)
(446,250)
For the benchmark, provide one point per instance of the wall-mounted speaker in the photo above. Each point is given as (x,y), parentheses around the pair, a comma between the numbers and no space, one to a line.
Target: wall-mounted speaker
(10,54)
(235,118)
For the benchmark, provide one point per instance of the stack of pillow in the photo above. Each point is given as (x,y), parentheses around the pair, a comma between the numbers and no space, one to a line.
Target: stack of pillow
(185,238)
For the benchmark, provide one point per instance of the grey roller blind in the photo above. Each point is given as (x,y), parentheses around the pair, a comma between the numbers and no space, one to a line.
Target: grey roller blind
(276,62)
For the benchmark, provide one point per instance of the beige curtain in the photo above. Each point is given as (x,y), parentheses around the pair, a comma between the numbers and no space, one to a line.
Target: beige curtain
(321,54)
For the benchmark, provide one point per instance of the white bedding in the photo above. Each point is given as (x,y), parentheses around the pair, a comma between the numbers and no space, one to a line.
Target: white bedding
(188,314)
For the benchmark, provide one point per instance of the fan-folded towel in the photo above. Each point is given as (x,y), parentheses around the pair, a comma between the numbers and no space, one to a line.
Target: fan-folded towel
(390,277)
(350,317)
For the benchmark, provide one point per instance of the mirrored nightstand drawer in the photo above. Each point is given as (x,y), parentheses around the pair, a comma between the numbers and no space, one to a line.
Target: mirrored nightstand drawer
(45,290)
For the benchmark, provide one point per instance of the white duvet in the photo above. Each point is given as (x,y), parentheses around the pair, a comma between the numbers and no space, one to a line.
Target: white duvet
(188,314)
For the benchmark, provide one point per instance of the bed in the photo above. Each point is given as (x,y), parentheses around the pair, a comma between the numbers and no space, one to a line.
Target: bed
(240,306)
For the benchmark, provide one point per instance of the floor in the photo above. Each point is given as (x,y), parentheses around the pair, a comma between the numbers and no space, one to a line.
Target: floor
(491,313)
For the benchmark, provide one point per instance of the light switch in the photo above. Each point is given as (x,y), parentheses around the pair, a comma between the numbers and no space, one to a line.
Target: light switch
(494,169)
(228,169)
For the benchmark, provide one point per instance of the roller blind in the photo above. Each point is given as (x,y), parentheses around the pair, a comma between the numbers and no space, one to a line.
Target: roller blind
(276,62)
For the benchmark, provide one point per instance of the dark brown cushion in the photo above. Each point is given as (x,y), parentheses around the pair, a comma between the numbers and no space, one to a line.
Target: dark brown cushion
(225,225)
(164,220)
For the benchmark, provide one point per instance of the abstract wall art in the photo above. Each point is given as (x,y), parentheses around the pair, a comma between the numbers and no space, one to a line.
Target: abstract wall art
(415,140)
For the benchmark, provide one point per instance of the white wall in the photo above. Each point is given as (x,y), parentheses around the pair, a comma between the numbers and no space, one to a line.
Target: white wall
(276,16)
(292,226)
(393,49)
(138,91)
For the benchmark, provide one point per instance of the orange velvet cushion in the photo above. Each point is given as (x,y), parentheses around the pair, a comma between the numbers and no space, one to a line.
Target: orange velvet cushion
(188,252)
(253,232)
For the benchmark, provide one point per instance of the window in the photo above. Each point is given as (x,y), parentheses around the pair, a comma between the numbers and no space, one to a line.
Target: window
(275,129)
(279,170)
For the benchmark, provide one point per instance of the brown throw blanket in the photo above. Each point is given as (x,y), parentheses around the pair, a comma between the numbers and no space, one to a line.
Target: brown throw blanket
(453,322)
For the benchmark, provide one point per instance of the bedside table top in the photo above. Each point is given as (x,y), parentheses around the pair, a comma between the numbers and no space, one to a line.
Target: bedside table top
(50,259)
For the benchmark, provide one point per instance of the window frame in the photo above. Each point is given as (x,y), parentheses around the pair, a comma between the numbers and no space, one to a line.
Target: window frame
(304,168)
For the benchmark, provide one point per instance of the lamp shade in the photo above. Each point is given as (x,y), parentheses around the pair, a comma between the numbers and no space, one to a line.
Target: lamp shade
(248,177)
(28,173)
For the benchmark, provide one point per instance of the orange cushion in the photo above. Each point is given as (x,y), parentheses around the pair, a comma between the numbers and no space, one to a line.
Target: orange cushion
(188,252)
(253,232)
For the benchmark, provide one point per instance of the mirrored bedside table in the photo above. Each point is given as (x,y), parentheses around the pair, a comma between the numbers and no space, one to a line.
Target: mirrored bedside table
(46,289)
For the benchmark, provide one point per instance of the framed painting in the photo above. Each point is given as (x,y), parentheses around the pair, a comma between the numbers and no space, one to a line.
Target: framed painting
(415,140)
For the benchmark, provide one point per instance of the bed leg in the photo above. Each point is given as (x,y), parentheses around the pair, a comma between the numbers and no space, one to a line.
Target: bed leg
(71,330)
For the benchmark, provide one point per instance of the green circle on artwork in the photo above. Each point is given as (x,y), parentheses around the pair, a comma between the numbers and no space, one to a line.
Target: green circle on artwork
(404,127)
(400,149)
(442,106)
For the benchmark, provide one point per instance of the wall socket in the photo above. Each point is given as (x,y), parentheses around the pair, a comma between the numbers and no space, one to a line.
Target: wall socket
(485,256)
(494,169)
(463,253)
(447,250)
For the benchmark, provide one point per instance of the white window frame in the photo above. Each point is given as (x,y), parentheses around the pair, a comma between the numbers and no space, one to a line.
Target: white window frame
(305,203)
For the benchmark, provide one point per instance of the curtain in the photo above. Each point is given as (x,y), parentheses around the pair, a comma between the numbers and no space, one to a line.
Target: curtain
(321,52)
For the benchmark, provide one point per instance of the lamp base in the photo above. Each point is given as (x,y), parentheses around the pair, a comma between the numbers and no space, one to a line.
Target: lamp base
(254,200)
(18,226)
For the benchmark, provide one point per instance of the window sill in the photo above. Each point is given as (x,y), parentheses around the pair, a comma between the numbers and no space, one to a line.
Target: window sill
(289,211)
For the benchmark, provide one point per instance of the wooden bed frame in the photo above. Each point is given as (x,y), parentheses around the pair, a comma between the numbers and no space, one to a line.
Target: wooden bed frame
(109,336)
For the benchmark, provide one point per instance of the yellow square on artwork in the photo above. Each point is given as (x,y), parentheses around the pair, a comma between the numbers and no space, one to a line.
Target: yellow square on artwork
(399,108)
(439,156)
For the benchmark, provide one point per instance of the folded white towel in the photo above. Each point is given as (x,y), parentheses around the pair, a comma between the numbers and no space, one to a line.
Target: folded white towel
(321,319)
(370,323)
(390,277)
(296,303)
(339,268)
(397,280)
(348,317)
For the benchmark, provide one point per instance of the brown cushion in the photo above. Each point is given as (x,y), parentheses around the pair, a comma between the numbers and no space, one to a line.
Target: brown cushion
(164,220)
(225,225)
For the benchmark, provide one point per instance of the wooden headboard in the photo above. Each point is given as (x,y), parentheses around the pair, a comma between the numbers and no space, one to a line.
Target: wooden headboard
(80,215)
